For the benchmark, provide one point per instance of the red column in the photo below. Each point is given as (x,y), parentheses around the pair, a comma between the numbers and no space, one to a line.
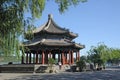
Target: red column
(30,58)
(37,57)
(26,58)
(69,57)
(22,59)
(34,58)
(46,58)
(63,60)
(43,55)
(50,56)
(40,58)
(78,55)
(72,61)
(54,56)
(58,57)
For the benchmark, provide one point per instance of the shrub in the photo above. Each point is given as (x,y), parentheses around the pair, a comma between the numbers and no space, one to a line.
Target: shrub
(81,65)
(51,61)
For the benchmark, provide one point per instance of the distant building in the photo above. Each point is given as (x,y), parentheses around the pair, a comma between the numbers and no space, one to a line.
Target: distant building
(50,40)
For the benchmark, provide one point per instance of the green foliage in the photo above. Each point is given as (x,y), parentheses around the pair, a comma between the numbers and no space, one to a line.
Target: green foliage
(10,45)
(98,54)
(102,54)
(5,59)
(114,56)
(81,64)
(51,61)
(84,58)
(29,33)
(64,4)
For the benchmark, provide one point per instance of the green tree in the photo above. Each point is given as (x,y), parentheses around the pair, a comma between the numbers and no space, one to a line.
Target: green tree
(83,58)
(13,24)
(114,56)
(98,54)
(101,54)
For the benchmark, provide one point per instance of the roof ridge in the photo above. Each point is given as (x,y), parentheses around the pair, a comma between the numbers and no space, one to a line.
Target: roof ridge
(48,23)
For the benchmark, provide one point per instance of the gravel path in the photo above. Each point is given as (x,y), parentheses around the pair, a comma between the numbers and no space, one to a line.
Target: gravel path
(96,75)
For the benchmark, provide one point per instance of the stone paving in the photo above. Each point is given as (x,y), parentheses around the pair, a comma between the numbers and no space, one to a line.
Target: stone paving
(93,75)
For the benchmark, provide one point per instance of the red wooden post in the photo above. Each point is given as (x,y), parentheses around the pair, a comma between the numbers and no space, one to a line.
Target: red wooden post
(33,57)
(78,55)
(63,60)
(46,58)
(72,57)
(22,59)
(40,58)
(50,56)
(58,57)
(54,56)
(69,57)
(37,57)
(43,57)
(30,58)
(26,58)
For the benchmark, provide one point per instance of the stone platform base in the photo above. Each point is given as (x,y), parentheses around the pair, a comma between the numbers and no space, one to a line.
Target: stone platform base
(22,68)
(31,68)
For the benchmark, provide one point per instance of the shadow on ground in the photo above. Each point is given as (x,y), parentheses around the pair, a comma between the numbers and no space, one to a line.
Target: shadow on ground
(98,75)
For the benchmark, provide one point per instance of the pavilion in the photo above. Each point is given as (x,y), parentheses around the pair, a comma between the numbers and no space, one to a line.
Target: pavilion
(52,41)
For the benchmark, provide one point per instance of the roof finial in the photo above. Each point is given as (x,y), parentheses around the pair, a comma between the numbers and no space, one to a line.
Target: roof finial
(50,16)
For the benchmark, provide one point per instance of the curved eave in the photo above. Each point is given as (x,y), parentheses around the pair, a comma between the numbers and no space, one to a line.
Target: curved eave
(48,43)
(57,44)
(54,32)
(79,46)
(39,29)
(31,44)
(73,35)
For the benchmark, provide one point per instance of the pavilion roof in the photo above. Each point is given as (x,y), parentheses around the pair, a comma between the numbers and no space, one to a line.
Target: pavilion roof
(52,42)
(52,27)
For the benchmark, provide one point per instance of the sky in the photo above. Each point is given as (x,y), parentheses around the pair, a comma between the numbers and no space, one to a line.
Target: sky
(94,21)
